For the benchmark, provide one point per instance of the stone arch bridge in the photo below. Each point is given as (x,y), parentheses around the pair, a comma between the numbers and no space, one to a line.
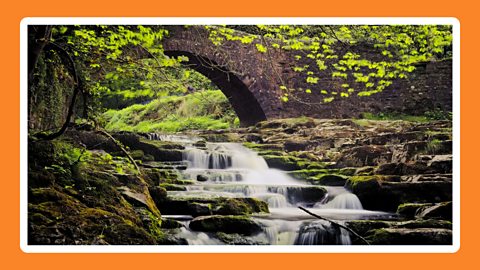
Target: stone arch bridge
(251,81)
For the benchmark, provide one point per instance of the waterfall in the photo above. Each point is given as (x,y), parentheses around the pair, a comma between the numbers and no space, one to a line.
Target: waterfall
(234,171)
(340,198)
(322,233)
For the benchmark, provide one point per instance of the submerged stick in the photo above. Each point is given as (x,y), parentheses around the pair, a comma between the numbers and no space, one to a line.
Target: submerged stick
(335,223)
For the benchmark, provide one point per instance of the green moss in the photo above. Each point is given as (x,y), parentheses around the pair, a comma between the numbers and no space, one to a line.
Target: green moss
(365,181)
(240,206)
(173,187)
(433,146)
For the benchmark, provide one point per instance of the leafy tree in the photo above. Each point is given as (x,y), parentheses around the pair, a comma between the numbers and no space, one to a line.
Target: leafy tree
(334,51)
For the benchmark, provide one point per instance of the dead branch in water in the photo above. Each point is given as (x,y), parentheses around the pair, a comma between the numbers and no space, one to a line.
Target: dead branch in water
(336,223)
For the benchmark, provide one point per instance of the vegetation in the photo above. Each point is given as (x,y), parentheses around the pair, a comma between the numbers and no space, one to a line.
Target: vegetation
(114,67)
(208,110)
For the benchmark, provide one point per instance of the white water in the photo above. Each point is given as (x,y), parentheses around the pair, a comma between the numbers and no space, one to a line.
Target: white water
(232,170)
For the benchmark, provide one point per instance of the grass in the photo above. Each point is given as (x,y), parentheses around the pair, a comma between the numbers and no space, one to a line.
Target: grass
(208,110)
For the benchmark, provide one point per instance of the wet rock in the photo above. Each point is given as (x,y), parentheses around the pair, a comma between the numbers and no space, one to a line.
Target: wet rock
(286,163)
(295,145)
(402,168)
(173,187)
(200,209)
(307,194)
(427,178)
(227,224)
(403,236)
(237,239)
(437,211)
(395,138)
(256,138)
(159,194)
(202,178)
(200,144)
(331,180)
(168,223)
(240,206)
(363,227)
(409,210)
(160,150)
(441,164)
(368,155)
(376,194)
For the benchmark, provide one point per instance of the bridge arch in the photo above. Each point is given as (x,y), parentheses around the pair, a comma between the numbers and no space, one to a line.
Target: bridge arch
(244,103)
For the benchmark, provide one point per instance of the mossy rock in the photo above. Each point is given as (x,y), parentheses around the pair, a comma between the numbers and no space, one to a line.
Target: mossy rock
(161,151)
(331,180)
(363,227)
(227,224)
(237,239)
(307,194)
(173,187)
(308,173)
(168,223)
(40,179)
(286,163)
(409,210)
(403,236)
(240,206)
(137,154)
(199,209)
(349,171)
(377,194)
(438,211)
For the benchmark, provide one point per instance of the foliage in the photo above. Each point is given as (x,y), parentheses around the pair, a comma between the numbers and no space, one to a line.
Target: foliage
(124,65)
(391,52)
(208,109)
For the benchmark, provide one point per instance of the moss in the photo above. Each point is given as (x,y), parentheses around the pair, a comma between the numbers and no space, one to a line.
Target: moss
(347,171)
(330,180)
(410,209)
(240,206)
(137,154)
(173,187)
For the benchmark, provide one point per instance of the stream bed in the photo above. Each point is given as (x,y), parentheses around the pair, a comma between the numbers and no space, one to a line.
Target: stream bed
(230,170)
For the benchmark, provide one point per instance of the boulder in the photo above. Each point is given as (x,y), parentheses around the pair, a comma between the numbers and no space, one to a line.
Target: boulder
(227,224)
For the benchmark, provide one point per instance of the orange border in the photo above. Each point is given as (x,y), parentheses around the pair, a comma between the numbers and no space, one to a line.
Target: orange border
(9,110)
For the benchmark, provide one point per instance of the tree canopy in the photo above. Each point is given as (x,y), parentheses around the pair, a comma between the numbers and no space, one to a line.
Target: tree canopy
(129,61)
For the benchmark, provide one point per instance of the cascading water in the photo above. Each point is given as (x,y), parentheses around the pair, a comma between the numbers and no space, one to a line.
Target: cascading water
(232,170)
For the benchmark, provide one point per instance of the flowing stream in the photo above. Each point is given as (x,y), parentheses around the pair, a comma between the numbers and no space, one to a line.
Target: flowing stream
(232,170)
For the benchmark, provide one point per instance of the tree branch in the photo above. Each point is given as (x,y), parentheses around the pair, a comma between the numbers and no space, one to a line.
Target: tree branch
(106,134)
(336,224)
